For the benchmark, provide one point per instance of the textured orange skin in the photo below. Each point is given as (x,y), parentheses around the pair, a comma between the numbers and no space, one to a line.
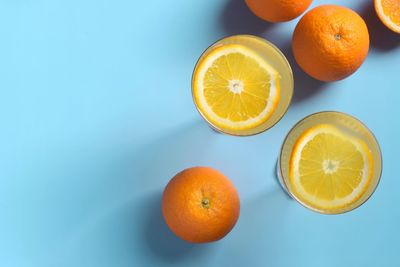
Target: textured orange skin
(183,210)
(318,52)
(278,10)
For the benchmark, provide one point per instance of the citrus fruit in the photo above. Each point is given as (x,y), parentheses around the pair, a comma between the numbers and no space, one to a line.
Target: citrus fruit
(278,10)
(200,205)
(329,169)
(389,13)
(330,42)
(235,88)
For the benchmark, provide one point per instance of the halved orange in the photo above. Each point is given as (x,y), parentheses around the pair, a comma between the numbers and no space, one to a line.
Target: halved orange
(389,13)
(329,169)
(235,88)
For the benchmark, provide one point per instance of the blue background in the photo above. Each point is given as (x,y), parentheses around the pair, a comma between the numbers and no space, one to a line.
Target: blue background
(96,116)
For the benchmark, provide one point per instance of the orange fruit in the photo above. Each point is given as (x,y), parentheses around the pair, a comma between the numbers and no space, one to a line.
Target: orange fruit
(389,13)
(235,88)
(329,169)
(278,10)
(330,42)
(200,205)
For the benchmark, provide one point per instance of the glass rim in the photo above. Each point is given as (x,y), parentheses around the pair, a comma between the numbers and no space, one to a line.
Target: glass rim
(286,61)
(310,207)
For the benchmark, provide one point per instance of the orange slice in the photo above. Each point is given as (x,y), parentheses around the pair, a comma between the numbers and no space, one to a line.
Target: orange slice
(329,169)
(235,88)
(389,13)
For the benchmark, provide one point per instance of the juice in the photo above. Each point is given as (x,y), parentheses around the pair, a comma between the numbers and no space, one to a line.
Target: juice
(242,85)
(330,162)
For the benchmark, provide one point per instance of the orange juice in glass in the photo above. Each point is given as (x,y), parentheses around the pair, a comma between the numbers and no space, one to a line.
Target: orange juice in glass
(242,85)
(330,162)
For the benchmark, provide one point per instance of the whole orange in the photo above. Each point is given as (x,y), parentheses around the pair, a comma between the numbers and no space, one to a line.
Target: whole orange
(278,10)
(330,42)
(200,205)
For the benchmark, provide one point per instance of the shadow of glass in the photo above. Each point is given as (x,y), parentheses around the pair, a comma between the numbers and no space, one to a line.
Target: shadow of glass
(129,234)
(162,242)
(238,19)
(157,162)
(118,215)
(381,37)
(260,222)
(304,85)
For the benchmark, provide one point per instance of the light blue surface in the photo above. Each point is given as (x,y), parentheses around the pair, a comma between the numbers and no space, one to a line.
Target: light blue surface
(96,116)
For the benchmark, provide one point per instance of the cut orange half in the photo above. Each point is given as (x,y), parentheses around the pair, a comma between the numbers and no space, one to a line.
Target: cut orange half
(389,13)
(329,169)
(234,88)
